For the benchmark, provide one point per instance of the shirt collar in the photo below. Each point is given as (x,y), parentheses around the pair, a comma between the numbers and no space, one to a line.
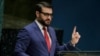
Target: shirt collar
(39,24)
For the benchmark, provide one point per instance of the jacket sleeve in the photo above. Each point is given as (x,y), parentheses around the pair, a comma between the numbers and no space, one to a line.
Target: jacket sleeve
(22,43)
(65,47)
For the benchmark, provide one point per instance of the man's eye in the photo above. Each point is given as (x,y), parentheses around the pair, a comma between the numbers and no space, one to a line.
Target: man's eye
(46,14)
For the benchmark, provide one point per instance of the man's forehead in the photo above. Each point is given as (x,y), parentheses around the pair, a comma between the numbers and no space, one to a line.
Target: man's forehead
(46,9)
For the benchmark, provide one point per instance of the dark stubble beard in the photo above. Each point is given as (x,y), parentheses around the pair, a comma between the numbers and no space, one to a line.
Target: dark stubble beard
(44,23)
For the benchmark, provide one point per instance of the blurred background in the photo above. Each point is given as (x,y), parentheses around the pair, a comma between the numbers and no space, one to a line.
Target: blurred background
(14,15)
(85,14)
(18,13)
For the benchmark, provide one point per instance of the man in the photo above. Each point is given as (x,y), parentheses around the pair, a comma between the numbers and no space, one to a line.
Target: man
(39,38)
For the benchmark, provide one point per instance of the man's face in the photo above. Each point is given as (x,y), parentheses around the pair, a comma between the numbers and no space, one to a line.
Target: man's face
(45,16)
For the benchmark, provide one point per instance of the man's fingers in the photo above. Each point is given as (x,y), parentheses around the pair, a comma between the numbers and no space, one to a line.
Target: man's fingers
(78,35)
(74,30)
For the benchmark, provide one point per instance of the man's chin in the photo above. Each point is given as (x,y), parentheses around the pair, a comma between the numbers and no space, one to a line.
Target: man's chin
(47,24)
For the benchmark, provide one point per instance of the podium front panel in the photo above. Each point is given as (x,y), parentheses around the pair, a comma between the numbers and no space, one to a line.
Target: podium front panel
(78,53)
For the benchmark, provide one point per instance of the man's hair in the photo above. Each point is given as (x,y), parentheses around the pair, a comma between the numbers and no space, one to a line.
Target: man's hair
(42,4)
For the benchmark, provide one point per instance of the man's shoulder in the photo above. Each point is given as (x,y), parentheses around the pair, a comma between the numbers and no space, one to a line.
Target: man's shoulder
(51,28)
(32,24)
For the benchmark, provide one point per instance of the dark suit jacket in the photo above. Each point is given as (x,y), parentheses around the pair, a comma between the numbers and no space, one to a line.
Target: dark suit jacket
(30,42)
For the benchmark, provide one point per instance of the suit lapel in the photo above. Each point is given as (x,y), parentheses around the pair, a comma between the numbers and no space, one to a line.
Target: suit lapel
(51,36)
(40,35)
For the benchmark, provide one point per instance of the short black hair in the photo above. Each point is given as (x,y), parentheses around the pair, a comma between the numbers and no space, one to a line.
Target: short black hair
(42,4)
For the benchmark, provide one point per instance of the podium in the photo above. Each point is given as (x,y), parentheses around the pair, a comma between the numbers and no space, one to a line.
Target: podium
(78,53)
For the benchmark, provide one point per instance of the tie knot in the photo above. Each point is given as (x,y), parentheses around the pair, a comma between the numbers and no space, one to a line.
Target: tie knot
(44,28)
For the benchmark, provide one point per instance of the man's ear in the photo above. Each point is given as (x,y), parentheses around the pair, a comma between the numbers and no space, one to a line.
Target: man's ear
(37,13)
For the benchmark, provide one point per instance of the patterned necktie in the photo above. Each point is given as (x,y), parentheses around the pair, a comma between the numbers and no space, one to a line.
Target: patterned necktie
(46,38)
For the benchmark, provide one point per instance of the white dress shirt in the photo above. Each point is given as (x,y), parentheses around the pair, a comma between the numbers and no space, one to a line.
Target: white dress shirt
(41,28)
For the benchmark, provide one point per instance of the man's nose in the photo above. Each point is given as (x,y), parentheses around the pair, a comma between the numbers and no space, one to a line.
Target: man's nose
(49,17)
